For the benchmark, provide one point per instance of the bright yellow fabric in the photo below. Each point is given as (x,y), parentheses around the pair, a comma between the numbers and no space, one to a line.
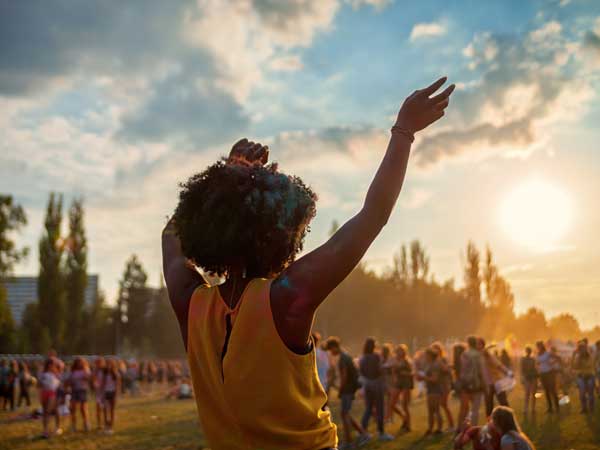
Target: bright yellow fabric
(263,396)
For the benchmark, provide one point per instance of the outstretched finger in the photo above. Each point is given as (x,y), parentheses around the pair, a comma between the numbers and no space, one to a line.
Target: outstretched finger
(434,86)
(261,154)
(443,95)
(241,142)
(441,105)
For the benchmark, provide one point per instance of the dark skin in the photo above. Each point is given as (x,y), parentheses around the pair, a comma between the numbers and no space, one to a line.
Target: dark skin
(297,292)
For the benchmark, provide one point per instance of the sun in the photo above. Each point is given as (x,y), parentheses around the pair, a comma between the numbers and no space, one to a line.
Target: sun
(536,214)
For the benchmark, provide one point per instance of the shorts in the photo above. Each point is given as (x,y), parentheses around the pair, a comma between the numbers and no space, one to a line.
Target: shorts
(436,389)
(346,402)
(109,396)
(79,395)
(48,395)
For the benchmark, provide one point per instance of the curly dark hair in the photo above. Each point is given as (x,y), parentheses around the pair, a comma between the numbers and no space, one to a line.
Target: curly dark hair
(243,216)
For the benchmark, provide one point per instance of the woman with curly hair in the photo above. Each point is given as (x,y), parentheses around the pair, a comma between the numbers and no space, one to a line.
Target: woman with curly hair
(248,339)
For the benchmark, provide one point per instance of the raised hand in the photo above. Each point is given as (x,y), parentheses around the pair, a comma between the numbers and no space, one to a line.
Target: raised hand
(420,110)
(252,152)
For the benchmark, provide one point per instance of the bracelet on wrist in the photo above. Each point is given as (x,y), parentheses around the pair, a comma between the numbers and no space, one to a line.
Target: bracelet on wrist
(396,129)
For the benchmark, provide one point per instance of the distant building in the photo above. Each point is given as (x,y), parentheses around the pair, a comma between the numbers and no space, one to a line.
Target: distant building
(23,291)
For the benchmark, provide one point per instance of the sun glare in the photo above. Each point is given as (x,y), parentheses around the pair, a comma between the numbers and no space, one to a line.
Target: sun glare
(536,214)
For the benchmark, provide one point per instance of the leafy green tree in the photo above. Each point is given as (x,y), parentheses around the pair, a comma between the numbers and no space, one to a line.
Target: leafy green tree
(12,219)
(31,330)
(76,278)
(132,295)
(472,275)
(98,334)
(8,337)
(51,284)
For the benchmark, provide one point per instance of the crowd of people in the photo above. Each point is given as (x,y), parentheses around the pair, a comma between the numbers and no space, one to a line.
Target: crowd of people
(476,374)
(387,377)
(64,388)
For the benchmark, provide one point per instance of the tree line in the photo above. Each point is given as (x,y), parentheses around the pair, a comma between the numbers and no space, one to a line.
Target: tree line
(404,303)
(140,322)
(407,304)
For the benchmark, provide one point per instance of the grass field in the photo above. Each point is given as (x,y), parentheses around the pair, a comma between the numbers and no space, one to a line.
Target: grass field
(150,423)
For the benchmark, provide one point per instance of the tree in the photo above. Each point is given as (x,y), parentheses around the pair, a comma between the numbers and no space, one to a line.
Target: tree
(472,274)
(51,292)
(98,336)
(165,337)
(76,277)
(564,326)
(7,325)
(419,262)
(130,300)
(531,326)
(12,219)
(498,291)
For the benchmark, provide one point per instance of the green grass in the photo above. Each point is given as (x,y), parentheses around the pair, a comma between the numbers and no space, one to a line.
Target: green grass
(150,422)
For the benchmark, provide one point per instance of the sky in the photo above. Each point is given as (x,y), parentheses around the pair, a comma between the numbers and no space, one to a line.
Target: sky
(118,102)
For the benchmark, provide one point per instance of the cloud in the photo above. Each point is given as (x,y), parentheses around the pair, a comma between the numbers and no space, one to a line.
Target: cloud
(289,63)
(526,83)
(377,4)
(176,73)
(427,30)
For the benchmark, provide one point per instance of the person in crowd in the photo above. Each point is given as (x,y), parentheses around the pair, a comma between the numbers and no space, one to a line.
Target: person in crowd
(79,381)
(562,370)
(513,438)
(26,380)
(322,359)
(457,351)
(420,364)
(597,364)
(348,385)
(181,392)
(402,385)
(505,359)
(123,376)
(62,372)
(151,375)
(480,437)
(4,370)
(160,373)
(97,386)
(374,388)
(445,381)
(494,372)
(545,362)
(583,366)
(10,379)
(48,384)
(472,381)
(133,377)
(110,387)
(387,361)
(433,383)
(529,378)
(244,220)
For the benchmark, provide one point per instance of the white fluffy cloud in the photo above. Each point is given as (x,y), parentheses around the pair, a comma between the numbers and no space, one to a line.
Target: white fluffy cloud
(427,30)
(527,83)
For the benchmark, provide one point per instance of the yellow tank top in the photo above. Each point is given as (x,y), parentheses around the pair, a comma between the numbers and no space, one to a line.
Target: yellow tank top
(252,392)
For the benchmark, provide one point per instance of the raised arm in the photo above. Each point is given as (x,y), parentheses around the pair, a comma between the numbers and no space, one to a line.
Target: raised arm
(181,278)
(301,288)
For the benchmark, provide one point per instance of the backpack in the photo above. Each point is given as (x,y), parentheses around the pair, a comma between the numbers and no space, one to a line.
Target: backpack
(471,377)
